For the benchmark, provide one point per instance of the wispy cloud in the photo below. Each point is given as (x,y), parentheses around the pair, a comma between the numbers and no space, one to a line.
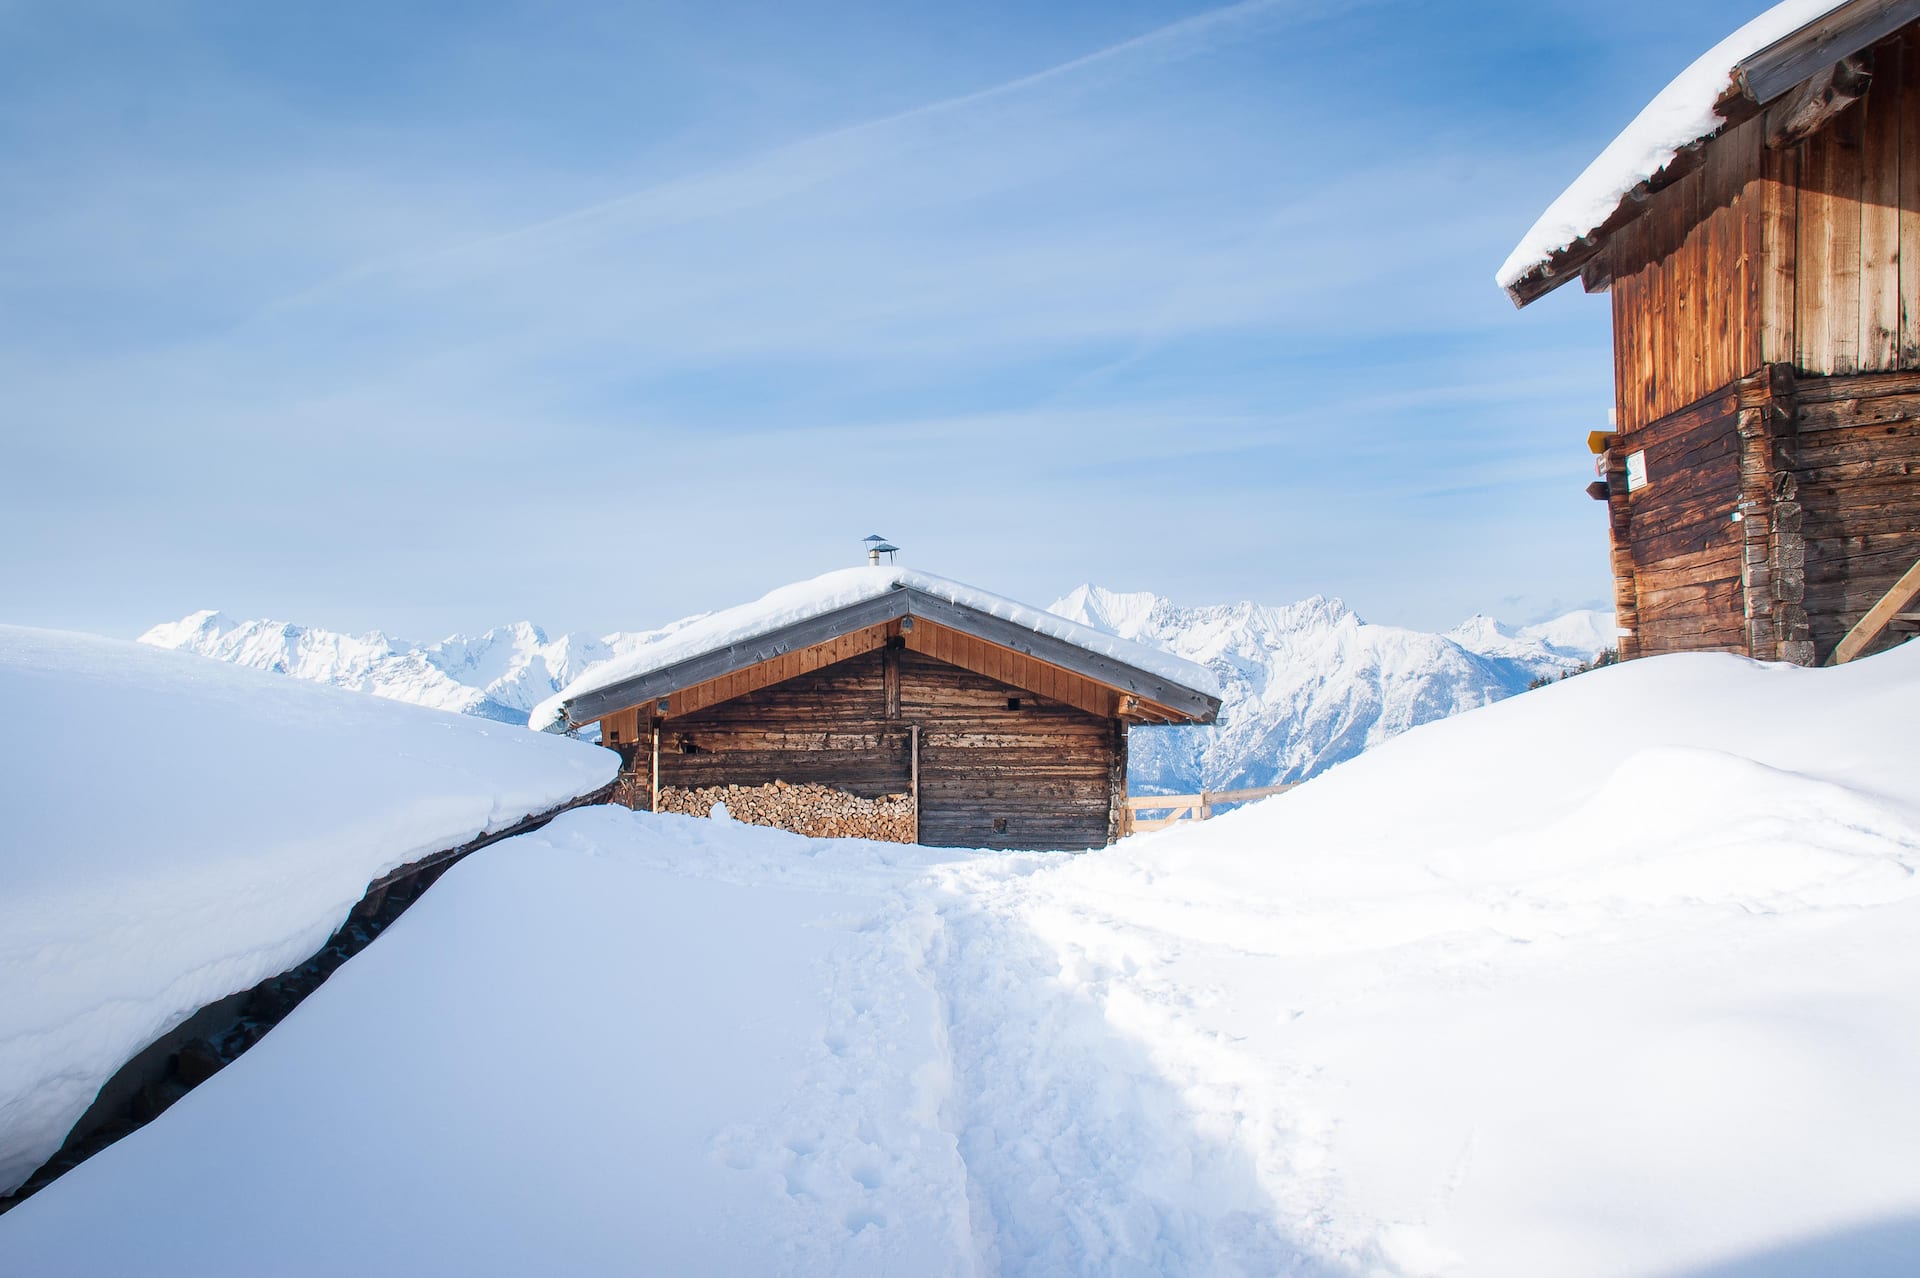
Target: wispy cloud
(1193,277)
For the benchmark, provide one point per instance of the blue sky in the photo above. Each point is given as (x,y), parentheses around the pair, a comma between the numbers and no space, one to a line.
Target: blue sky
(435,319)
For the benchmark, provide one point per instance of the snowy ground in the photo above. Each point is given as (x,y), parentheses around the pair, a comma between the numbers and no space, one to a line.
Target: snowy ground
(178,829)
(1618,977)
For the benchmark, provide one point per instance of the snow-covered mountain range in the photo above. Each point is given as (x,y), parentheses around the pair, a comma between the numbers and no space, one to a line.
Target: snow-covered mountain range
(1310,684)
(1307,685)
(501,674)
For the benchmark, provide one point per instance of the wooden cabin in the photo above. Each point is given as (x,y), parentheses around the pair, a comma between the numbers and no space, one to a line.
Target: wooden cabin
(889,703)
(1762,471)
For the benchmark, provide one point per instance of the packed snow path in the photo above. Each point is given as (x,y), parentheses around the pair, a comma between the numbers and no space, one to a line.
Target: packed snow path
(1618,977)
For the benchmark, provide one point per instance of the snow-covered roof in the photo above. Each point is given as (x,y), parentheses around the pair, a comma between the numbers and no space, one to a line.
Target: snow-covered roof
(1685,112)
(836,592)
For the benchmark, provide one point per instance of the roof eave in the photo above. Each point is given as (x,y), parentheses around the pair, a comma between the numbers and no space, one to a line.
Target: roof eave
(1572,261)
(898,602)
(1758,80)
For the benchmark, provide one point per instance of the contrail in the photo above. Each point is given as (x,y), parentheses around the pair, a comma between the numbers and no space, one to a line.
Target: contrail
(716,182)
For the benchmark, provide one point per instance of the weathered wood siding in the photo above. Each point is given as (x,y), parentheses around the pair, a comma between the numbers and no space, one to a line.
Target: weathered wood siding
(1686,284)
(996,777)
(1858,183)
(1808,255)
(1764,307)
(828,727)
(1824,473)
(1682,564)
(991,775)
(1855,456)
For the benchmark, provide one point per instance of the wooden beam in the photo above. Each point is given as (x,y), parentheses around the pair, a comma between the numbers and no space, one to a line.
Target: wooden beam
(655,783)
(913,747)
(1806,110)
(1868,628)
(890,681)
(1154,802)
(1800,55)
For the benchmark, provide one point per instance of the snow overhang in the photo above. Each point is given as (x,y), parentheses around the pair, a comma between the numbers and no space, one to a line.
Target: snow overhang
(1782,49)
(900,601)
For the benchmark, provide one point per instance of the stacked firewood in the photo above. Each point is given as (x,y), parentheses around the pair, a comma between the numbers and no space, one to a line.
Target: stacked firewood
(818,811)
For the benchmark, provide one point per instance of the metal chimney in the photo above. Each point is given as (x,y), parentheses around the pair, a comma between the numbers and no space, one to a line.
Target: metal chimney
(877,546)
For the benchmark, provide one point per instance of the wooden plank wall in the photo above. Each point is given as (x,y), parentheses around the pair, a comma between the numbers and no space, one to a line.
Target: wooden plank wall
(1856,244)
(1856,467)
(829,727)
(991,775)
(1764,306)
(1009,667)
(995,777)
(1687,279)
(1808,255)
(1684,548)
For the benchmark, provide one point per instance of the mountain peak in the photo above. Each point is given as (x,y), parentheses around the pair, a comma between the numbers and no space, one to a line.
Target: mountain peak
(178,634)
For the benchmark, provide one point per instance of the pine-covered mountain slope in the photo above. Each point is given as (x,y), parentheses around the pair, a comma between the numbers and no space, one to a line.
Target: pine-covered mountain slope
(1310,684)
(1307,685)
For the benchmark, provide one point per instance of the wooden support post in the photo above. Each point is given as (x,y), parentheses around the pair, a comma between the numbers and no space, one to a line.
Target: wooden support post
(1754,425)
(1626,590)
(656,766)
(1868,628)
(913,747)
(1119,815)
(1787,555)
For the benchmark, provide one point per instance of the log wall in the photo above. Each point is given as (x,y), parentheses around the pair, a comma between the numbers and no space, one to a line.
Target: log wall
(1824,476)
(1683,550)
(999,766)
(995,777)
(1855,456)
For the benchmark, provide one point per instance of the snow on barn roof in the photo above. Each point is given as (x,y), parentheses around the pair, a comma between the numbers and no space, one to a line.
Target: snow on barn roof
(841,592)
(1795,39)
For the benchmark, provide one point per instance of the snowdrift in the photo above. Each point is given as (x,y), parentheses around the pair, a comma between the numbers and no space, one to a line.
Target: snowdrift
(178,829)
(1615,977)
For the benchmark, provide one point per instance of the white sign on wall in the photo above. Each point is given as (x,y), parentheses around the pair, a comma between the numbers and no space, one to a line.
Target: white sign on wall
(1636,471)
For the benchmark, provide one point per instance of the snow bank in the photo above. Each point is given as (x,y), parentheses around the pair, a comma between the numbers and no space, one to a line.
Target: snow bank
(1616,977)
(1682,113)
(571,1056)
(835,590)
(178,829)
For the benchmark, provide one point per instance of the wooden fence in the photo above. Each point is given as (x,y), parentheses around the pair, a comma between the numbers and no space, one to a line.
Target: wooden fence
(1187,807)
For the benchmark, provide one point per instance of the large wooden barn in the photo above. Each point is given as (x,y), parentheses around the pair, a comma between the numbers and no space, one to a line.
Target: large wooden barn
(888,703)
(1758,227)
